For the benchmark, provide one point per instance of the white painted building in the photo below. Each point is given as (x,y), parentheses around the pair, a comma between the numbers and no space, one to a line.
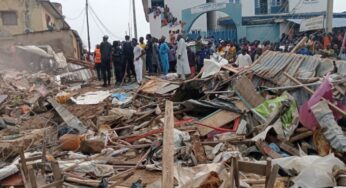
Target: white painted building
(250,10)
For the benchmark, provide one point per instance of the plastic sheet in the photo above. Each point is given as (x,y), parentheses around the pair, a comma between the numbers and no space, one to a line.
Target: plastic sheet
(314,171)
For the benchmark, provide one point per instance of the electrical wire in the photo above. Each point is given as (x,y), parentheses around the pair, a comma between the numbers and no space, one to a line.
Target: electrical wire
(103,25)
(97,24)
(79,15)
(83,24)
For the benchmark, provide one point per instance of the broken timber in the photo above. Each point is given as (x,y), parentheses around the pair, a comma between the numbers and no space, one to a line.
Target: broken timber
(247,92)
(198,150)
(216,119)
(71,120)
(168,147)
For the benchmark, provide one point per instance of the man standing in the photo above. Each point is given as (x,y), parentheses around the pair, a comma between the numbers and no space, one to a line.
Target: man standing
(183,67)
(138,62)
(106,52)
(149,54)
(164,52)
(97,60)
(128,58)
(117,57)
(244,60)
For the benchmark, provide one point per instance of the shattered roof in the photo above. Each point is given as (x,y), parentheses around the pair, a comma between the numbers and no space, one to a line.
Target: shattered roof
(273,64)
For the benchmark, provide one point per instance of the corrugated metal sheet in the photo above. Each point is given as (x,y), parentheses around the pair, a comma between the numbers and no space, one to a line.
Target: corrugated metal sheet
(272,66)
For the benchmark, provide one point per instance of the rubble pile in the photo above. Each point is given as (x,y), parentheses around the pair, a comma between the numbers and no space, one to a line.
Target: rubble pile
(279,123)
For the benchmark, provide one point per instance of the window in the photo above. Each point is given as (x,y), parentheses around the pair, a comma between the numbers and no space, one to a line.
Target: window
(9,17)
(276,3)
(157,3)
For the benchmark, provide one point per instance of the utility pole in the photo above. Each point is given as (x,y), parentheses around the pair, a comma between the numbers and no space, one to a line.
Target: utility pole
(134,18)
(87,19)
(330,4)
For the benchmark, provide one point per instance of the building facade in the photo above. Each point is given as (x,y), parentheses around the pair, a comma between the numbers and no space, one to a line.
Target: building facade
(24,16)
(261,19)
(37,22)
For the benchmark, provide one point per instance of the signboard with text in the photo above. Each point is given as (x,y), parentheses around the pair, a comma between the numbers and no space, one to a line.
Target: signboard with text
(208,7)
(314,23)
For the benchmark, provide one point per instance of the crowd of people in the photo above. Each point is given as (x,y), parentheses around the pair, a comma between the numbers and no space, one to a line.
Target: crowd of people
(133,58)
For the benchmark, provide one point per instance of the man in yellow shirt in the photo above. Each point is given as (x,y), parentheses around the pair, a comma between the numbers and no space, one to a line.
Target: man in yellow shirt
(142,45)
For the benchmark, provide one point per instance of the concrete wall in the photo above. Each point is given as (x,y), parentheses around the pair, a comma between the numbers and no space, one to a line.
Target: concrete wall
(61,41)
(306,6)
(269,32)
(248,7)
(36,14)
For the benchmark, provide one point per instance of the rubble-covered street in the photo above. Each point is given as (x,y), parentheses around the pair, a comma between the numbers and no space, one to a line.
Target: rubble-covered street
(279,123)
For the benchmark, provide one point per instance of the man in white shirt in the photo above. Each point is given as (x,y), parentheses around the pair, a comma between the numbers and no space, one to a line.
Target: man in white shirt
(138,53)
(183,67)
(244,60)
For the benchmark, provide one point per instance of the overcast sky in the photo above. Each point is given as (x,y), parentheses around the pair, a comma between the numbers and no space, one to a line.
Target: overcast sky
(116,15)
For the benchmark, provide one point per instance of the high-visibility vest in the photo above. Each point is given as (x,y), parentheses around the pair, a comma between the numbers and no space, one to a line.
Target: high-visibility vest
(97,56)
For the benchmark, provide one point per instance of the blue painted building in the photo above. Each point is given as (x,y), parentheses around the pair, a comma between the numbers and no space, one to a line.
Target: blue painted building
(230,19)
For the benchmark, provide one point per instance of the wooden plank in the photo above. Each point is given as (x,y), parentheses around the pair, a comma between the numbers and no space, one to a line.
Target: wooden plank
(268,169)
(231,68)
(43,163)
(247,92)
(216,119)
(232,175)
(251,167)
(168,147)
(167,89)
(299,45)
(266,150)
(289,149)
(32,176)
(198,150)
(56,171)
(236,171)
(23,163)
(273,175)
(301,136)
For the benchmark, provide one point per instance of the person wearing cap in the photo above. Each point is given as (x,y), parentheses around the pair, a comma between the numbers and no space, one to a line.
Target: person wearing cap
(106,53)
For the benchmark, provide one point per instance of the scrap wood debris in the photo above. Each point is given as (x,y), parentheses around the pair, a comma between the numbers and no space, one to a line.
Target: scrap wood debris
(265,126)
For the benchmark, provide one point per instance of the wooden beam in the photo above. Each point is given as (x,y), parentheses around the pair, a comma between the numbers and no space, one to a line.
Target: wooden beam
(252,167)
(216,119)
(236,172)
(289,149)
(272,179)
(168,147)
(32,177)
(299,45)
(23,163)
(247,92)
(266,150)
(56,171)
(198,150)
(268,169)
(301,136)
